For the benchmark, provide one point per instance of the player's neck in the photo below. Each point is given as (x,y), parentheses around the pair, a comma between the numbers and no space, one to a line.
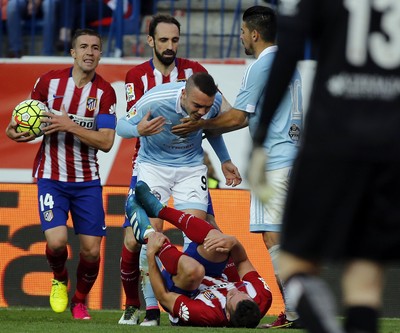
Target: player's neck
(163,69)
(82,78)
(261,47)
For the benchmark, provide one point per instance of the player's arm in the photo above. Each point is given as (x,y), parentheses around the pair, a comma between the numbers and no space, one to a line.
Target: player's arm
(134,126)
(229,244)
(134,88)
(101,139)
(12,133)
(227,121)
(230,171)
(165,297)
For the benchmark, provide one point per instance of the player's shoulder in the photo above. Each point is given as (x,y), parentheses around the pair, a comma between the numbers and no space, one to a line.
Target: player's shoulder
(57,73)
(101,81)
(183,63)
(143,67)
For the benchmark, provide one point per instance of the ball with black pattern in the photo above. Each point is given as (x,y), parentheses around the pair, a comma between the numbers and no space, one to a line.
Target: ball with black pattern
(27,115)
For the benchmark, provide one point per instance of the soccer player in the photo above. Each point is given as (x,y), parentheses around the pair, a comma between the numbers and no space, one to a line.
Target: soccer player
(163,67)
(190,287)
(343,201)
(82,121)
(258,33)
(173,165)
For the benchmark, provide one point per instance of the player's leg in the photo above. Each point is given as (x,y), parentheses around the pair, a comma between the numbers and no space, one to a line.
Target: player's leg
(267,220)
(325,207)
(309,294)
(196,229)
(160,180)
(88,217)
(362,290)
(230,270)
(53,211)
(129,270)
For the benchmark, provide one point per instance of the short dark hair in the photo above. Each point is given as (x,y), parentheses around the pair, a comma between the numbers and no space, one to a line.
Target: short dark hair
(204,82)
(262,19)
(83,32)
(247,314)
(161,18)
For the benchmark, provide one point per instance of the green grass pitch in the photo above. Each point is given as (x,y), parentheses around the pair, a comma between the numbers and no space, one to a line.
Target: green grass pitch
(26,320)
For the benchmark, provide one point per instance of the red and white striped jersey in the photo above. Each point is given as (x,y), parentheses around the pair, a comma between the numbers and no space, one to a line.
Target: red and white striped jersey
(208,307)
(145,76)
(62,156)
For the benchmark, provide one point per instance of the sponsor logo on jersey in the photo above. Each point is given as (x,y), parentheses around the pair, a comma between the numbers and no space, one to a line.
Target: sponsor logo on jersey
(112,109)
(294,132)
(91,103)
(130,92)
(131,113)
(86,122)
(48,215)
(184,312)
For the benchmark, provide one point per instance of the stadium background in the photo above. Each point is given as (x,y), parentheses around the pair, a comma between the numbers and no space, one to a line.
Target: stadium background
(24,274)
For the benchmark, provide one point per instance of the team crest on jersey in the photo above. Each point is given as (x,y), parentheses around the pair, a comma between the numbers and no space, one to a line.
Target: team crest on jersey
(130,92)
(91,103)
(184,312)
(209,295)
(48,215)
(294,132)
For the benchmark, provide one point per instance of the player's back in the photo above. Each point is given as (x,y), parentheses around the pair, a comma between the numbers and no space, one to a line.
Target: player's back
(354,107)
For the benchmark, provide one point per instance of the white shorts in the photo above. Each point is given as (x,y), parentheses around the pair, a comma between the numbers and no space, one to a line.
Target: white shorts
(269,217)
(187,185)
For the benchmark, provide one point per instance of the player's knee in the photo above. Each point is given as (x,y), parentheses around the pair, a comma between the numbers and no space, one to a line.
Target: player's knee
(194,274)
(130,242)
(57,244)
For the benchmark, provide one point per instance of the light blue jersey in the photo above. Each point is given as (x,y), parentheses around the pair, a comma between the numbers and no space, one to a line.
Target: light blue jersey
(166,148)
(284,131)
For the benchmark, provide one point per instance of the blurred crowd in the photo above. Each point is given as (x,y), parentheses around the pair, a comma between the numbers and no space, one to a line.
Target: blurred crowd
(57,20)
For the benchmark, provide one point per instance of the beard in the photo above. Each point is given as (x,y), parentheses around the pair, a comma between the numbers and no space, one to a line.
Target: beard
(165,60)
(247,52)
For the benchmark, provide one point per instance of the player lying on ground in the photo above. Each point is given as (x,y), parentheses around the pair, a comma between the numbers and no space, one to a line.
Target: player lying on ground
(191,286)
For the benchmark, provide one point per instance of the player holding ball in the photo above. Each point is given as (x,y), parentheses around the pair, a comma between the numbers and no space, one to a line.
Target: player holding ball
(81,122)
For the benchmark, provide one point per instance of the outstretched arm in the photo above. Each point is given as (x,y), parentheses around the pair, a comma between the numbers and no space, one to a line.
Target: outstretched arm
(165,297)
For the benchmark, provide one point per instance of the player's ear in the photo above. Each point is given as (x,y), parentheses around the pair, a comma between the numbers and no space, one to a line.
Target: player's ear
(73,53)
(150,41)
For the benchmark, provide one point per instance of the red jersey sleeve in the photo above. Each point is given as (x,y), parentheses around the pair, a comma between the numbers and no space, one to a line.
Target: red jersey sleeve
(263,295)
(108,100)
(134,86)
(192,312)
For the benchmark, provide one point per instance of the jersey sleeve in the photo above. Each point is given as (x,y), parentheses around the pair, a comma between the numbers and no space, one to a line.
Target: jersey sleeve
(293,29)
(134,88)
(197,313)
(262,293)
(107,113)
(39,91)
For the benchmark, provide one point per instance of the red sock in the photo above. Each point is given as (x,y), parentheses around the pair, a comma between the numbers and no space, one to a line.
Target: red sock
(130,273)
(196,229)
(57,263)
(169,256)
(86,276)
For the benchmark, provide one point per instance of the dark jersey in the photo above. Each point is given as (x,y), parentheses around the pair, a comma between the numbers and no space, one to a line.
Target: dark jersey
(355,102)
